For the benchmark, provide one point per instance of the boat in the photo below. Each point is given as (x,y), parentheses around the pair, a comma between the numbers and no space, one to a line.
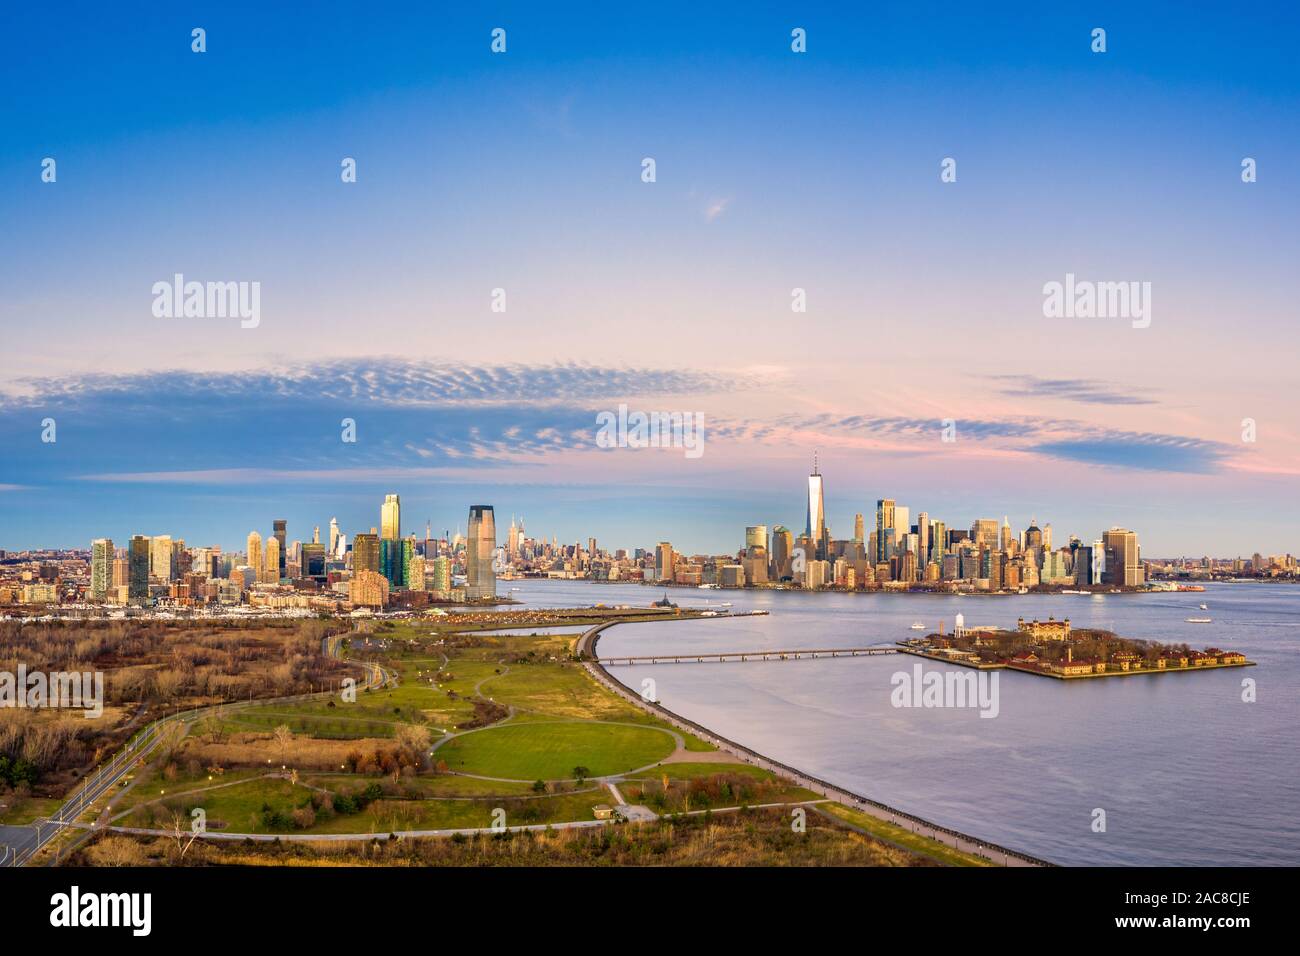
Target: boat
(918,626)
(1199,620)
(1205,607)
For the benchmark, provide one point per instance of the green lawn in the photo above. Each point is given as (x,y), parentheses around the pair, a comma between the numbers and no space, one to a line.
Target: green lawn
(550,751)
(904,838)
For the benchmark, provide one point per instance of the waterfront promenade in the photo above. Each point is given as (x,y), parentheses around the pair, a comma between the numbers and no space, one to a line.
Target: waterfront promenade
(585,648)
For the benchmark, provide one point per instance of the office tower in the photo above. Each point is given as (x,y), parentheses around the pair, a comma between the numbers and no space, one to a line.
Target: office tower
(390,518)
(938,541)
(756,537)
(315,535)
(480,575)
(392,562)
(816,524)
(278,530)
(1047,536)
(984,533)
(1005,542)
(334,536)
(138,556)
(255,552)
(1033,536)
(782,550)
(1123,563)
(922,539)
(101,567)
(512,539)
(664,561)
(271,573)
(902,517)
(365,552)
(313,561)
(884,528)
(441,574)
(160,557)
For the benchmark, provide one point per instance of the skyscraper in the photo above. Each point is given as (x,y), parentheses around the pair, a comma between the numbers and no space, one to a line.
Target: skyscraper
(101,567)
(1123,561)
(271,573)
(390,518)
(365,553)
(664,560)
(884,528)
(782,552)
(138,583)
(512,539)
(756,536)
(278,528)
(334,536)
(480,575)
(160,557)
(255,552)
(816,524)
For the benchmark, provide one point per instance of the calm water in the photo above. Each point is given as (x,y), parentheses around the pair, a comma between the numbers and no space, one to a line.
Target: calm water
(1187,773)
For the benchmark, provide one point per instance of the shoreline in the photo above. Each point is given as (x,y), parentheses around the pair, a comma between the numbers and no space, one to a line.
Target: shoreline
(584,649)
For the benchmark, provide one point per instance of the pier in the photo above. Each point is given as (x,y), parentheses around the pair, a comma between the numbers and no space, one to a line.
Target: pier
(677,657)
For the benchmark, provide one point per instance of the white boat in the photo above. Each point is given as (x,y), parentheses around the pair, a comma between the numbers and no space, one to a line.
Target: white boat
(1199,620)
(918,626)
(1205,607)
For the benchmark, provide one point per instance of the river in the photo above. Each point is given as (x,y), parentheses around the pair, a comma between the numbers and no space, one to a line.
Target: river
(1186,772)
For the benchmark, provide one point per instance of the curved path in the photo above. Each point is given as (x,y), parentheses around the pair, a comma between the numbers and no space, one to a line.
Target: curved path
(585,650)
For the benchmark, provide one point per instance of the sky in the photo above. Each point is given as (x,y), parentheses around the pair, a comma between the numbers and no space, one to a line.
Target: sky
(774,171)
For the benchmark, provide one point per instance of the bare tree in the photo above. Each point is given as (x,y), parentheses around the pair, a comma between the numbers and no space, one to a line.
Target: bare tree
(283,737)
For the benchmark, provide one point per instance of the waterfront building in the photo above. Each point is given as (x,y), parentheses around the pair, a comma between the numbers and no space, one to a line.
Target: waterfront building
(816,523)
(664,561)
(480,548)
(782,552)
(884,528)
(1123,561)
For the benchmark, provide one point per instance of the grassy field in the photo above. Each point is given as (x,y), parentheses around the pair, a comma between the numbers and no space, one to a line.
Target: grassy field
(904,838)
(512,707)
(550,750)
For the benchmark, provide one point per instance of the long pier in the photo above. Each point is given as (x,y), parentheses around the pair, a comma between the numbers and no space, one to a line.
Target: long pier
(677,657)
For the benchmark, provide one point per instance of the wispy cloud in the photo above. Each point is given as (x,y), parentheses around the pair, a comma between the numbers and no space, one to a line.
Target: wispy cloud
(714,208)
(1086,391)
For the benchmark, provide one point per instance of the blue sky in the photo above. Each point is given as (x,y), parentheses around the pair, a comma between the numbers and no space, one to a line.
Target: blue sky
(521,171)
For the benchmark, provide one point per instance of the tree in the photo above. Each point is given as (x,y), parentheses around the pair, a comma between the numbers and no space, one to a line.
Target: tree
(283,736)
(580,773)
(539,786)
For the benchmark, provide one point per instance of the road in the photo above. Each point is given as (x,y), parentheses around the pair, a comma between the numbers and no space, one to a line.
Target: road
(22,843)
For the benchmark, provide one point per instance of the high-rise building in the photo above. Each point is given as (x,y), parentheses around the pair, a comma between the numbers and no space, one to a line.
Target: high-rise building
(279,528)
(984,533)
(480,574)
(334,536)
(160,557)
(271,573)
(664,561)
(313,561)
(782,552)
(756,537)
(441,574)
(365,553)
(101,567)
(138,556)
(390,518)
(255,553)
(816,524)
(884,528)
(1123,560)
(938,541)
